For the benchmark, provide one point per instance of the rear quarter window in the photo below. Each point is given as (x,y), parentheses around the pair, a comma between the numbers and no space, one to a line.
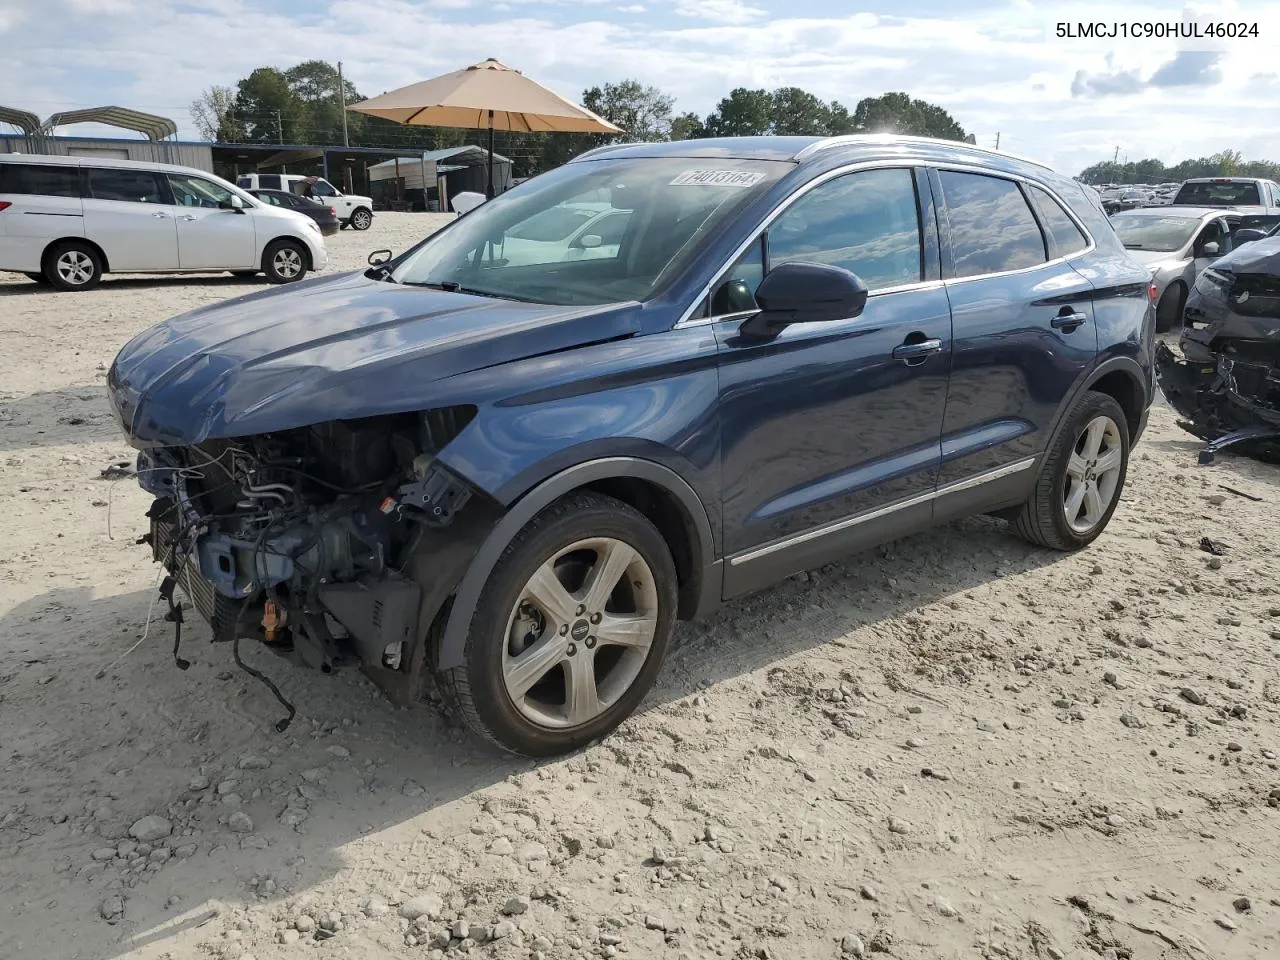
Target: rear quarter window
(1065,235)
(37,179)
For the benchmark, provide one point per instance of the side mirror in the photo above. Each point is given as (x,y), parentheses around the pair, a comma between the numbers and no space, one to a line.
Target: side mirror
(804,293)
(590,241)
(1210,249)
(236,204)
(1248,235)
(379,257)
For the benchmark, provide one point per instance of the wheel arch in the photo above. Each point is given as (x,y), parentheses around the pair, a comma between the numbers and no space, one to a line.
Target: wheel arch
(1122,379)
(656,490)
(97,248)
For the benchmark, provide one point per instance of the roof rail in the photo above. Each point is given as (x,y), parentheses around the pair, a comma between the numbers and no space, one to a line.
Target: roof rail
(854,138)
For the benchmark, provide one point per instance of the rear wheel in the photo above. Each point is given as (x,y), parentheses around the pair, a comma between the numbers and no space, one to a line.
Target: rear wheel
(73,265)
(284,261)
(361,219)
(1169,309)
(570,630)
(1081,478)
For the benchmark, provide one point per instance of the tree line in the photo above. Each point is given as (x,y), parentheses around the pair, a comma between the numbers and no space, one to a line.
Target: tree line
(302,105)
(1228,163)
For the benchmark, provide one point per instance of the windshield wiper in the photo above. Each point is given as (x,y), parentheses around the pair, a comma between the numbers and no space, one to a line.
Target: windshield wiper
(452,286)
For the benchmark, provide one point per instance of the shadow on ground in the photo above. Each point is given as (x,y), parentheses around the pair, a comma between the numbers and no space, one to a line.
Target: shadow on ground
(139,282)
(140,732)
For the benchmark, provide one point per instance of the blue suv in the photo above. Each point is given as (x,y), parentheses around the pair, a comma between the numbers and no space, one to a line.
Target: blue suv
(659,377)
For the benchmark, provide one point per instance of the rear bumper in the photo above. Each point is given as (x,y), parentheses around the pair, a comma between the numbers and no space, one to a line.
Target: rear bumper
(21,254)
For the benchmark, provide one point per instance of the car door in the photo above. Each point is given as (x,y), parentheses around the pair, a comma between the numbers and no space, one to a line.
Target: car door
(830,432)
(1023,328)
(127,214)
(212,235)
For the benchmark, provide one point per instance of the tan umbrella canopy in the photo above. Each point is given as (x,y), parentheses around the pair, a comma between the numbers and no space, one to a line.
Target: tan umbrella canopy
(488,95)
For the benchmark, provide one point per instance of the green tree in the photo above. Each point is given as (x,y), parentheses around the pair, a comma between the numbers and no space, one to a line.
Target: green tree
(687,126)
(743,113)
(899,113)
(796,112)
(643,113)
(839,120)
(314,83)
(268,109)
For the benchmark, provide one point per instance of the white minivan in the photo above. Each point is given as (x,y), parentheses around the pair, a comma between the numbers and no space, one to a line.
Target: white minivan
(65,221)
(353,210)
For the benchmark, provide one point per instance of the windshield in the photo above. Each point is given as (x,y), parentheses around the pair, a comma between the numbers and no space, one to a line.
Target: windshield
(590,233)
(1162,234)
(1217,194)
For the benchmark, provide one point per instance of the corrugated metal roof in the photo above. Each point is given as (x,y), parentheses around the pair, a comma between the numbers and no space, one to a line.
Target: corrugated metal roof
(147,124)
(28,123)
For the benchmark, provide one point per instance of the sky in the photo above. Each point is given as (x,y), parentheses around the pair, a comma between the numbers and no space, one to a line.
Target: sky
(995,65)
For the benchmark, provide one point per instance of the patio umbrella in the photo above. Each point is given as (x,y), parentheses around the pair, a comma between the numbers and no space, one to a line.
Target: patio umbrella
(485,95)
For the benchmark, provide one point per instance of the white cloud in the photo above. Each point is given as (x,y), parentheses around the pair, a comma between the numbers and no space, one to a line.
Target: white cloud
(995,68)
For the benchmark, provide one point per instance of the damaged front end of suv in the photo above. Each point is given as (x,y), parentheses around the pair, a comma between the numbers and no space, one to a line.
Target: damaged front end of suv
(1227,384)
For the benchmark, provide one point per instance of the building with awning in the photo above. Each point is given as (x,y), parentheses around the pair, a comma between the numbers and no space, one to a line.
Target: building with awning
(427,180)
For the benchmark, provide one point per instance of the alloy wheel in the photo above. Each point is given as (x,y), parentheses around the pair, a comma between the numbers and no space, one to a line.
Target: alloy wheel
(361,220)
(580,632)
(75,268)
(287,262)
(1093,474)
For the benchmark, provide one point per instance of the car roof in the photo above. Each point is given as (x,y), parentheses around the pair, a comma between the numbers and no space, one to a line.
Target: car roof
(1169,210)
(56,160)
(851,148)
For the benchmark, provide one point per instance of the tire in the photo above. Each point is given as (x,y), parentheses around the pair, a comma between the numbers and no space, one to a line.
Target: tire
(1044,518)
(1169,309)
(285,261)
(361,218)
(39,278)
(343,224)
(72,265)
(540,718)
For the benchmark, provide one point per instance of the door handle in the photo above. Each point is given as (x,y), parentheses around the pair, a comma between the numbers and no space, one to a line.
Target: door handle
(916,352)
(161,216)
(1069,319)
(188,217)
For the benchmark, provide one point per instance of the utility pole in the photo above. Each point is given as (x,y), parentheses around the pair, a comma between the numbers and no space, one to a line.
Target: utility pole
(1116,158)
(342,96)
(279,127)
(997,139)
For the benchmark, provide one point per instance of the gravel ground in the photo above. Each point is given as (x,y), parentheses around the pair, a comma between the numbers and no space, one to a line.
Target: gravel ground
(954,746)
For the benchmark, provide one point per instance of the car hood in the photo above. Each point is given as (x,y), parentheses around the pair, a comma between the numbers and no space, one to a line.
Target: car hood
(1260,256)
(1157,259)
(331,348)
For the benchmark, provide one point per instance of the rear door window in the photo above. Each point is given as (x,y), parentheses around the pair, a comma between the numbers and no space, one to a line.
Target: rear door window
(133,186)
(38,179)
(992,228)
(269,181)
(1063,232)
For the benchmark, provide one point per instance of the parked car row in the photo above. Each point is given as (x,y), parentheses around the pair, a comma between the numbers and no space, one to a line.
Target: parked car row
(1243,194)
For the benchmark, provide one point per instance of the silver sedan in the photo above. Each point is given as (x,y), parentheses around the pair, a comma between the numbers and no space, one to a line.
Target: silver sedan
(1176,243)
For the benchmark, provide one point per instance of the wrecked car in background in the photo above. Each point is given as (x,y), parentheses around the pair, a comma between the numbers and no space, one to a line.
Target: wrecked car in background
(1227,385)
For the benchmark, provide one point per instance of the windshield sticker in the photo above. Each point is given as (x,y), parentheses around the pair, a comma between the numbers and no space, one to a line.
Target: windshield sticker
(717,178)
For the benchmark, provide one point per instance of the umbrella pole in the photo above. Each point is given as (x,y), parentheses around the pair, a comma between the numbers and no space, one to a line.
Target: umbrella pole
(489,193)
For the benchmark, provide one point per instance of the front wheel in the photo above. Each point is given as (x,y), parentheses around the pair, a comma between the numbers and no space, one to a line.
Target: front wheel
(284,261)
(1169,309)
(1081,478)
(361,219)
(570,631)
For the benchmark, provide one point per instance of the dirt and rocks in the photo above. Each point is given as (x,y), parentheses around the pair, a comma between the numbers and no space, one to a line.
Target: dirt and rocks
(954,746)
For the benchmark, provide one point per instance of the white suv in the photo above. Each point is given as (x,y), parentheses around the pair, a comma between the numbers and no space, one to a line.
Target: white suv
(66,221)
(353,210)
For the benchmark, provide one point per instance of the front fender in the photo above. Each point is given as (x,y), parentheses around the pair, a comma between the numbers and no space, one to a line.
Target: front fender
(467,596)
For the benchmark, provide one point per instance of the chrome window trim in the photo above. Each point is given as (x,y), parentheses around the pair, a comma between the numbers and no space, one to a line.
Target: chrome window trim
(1000,174)
(889,139)
(814,533)
(686,318)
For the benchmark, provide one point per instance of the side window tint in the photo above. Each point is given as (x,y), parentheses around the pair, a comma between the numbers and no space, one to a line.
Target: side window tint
(45,180)
(134,186)
(191,191)
(735,293)
(1067,238)
(866,222)
(992,228)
